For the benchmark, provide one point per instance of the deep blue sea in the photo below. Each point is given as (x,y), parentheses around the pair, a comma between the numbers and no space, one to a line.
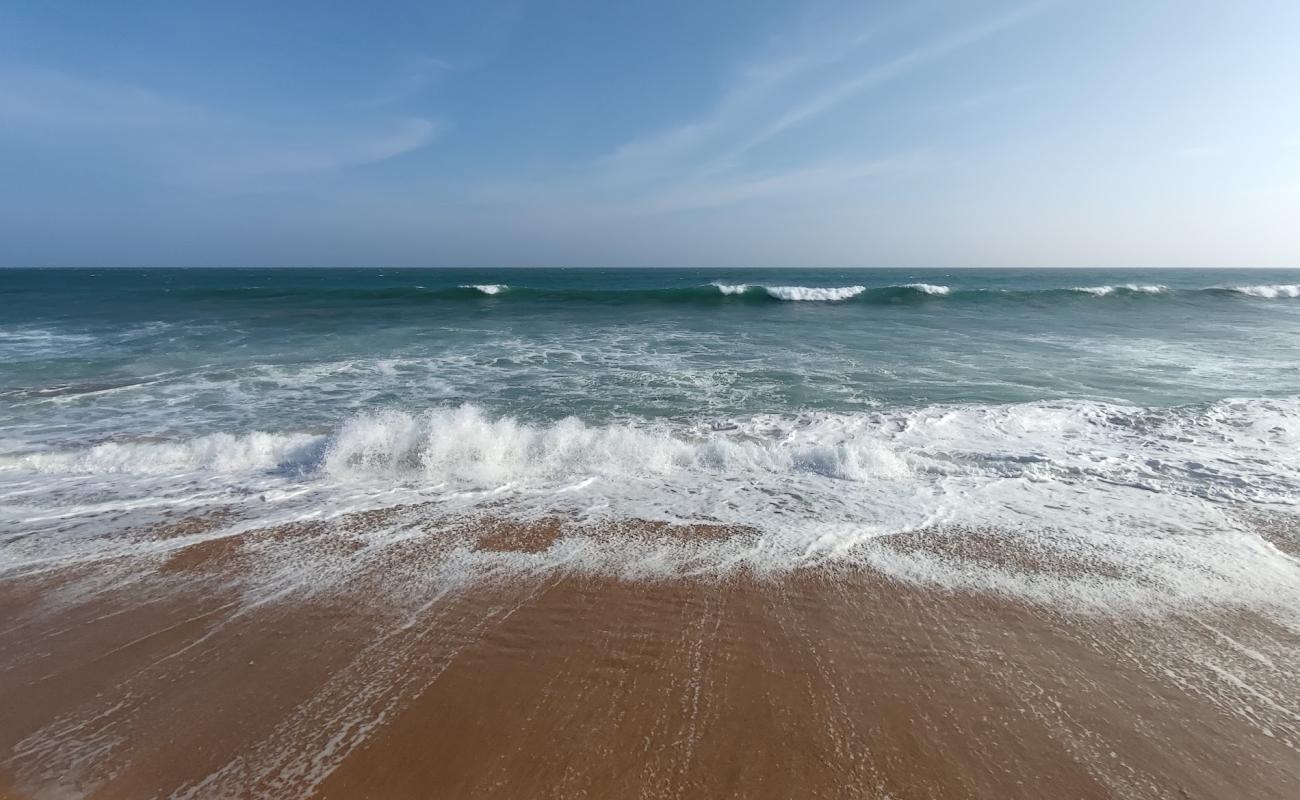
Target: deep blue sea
(1138,414)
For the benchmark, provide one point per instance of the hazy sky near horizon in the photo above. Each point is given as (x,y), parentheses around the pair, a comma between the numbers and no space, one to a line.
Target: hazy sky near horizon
(729,133)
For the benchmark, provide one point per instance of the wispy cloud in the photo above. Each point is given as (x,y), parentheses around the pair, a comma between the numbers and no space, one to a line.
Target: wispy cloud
(49,97)
(985,99)
(749,112)
(838,93)
(415,75)
(189,143)
(305,153)
(701,163)
(754,84)
(793,184)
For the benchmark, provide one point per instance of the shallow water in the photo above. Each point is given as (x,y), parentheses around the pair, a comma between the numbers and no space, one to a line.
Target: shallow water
(1136,417)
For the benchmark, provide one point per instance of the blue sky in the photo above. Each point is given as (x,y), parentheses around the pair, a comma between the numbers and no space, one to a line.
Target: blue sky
(930,133)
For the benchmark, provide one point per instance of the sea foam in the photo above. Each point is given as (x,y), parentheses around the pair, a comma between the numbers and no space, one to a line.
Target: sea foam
(218,453)
(1133,288)
(1269,291)
(928,288)
(814,293)
(1163,450)
(1149,492)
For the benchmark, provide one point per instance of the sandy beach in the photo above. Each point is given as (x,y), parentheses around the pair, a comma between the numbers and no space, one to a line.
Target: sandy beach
(386,680)
(511,400)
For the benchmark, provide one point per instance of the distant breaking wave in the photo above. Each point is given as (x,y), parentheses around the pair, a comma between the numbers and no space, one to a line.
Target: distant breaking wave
(1131,288)
(1269,291)
(814,292)
(827,293)
(722,293)
(928,288)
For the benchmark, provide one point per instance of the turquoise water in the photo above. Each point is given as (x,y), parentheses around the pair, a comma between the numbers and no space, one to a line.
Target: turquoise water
(89,353)
(822,407)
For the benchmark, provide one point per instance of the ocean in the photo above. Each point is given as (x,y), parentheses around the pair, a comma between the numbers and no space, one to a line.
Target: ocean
(821,407)
(1093,444)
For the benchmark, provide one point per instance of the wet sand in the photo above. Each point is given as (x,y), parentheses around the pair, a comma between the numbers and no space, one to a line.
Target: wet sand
(380,678)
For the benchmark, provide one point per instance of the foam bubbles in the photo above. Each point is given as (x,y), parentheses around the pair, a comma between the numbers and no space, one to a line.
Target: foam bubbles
(1130,288)
(814,293)
(218,453)
(929,288)
(1149,500)
(465,447)
(1269,291)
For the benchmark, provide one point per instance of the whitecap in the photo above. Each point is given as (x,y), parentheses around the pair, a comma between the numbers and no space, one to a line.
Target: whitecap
(1269,291)
(1135,288)
(1149,496)
(827,293)
(928,288)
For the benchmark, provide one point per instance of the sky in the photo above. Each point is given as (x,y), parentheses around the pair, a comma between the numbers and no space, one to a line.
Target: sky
(745,133)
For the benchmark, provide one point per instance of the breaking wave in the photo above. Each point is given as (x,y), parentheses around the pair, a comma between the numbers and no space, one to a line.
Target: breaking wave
(731,288)
(1153,498)
(1128,288)
(829,293)
(832,293)
(1269,291)
(1232,450)
(719,292)
(928,288)
(219,453)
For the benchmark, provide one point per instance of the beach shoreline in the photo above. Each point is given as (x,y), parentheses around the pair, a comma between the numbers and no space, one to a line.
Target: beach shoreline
(560,682)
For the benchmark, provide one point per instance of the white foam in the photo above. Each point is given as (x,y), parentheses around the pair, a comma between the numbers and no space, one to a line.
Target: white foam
(1234,450)
(928,288)
(465,447)
(220,453)
(1137,288)
(731,288)
(1150,495)
(1269,291)
(487,288)
(814,293)
(29,342)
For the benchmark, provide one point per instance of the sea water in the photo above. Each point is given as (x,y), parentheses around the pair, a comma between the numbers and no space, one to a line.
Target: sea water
(1143,419)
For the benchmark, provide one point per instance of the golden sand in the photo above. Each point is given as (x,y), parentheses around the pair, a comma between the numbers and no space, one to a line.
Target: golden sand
(557,684)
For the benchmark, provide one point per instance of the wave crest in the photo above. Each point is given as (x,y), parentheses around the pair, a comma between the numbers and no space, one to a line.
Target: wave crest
(218,452)
(465,446)
(1269,291)
(929,288)
(814,293)
(1069,480)
(722,292)
(1127,288)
